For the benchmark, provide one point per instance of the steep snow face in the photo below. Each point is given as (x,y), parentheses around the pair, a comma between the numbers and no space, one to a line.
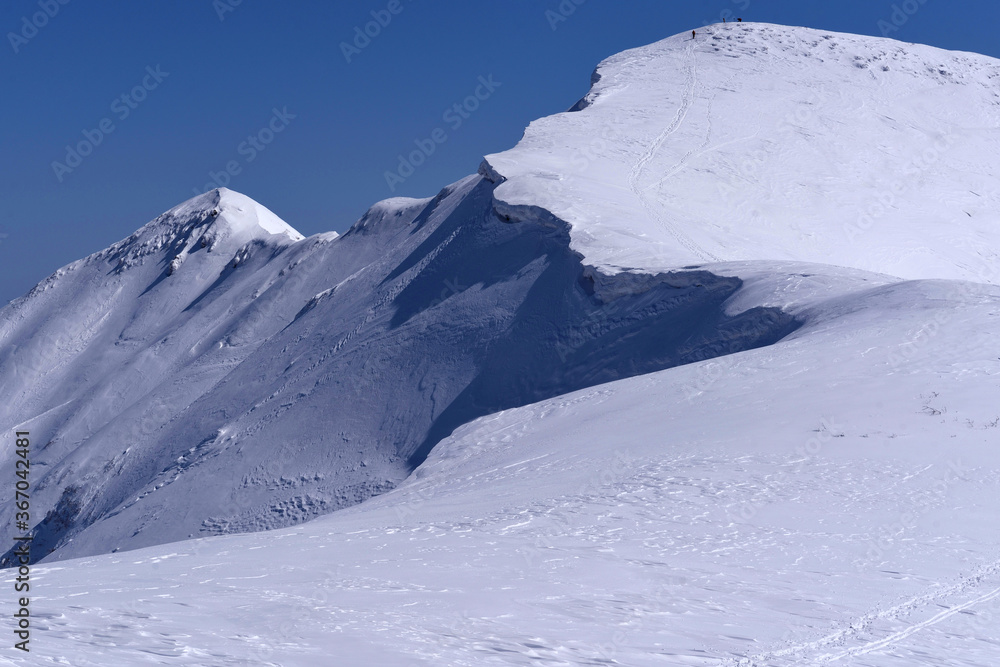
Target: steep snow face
(755,141)
(206,376)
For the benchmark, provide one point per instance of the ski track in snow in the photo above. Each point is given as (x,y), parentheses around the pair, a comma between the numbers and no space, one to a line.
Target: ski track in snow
(705,146)
(639,168)
(810,651)
(899,636)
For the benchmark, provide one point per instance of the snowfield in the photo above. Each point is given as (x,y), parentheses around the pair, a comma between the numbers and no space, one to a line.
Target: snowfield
(827,500)
(673,382)
(758,141)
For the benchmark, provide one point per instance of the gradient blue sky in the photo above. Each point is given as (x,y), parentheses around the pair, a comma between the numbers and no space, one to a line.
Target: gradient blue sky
(224,76)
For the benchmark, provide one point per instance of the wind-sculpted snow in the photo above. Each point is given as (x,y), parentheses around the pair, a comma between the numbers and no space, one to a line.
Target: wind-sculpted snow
(765,142)
(224,379)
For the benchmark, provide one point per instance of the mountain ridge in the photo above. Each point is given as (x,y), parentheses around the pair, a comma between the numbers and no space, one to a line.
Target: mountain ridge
(207,376)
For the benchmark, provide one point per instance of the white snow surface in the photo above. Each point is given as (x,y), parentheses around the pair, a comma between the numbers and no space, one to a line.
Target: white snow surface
(788,455)
(240,214)
(830,499)
(758,141)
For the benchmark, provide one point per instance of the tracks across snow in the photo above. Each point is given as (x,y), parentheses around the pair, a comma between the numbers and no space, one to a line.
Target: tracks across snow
(706,146)
(640,166)
(832,647)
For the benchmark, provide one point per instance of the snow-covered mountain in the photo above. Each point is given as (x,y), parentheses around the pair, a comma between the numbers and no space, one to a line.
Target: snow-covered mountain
(828,500)
(718,343)
(217,373)
(763,142)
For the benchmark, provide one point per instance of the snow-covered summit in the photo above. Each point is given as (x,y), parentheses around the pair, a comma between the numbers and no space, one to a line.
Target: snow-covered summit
(756,141)
(220,216)
(384,212)
(237,212)
(238,209)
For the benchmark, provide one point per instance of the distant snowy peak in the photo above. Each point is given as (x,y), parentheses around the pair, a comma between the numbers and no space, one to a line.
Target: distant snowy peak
(225,225)
(235,211)
(220,218)
(755,141)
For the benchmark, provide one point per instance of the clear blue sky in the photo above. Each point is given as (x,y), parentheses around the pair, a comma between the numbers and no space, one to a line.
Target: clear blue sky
(219,68)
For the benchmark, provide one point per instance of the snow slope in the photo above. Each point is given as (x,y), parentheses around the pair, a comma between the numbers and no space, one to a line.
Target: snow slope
(758,141)
(205,376)
(830,499)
